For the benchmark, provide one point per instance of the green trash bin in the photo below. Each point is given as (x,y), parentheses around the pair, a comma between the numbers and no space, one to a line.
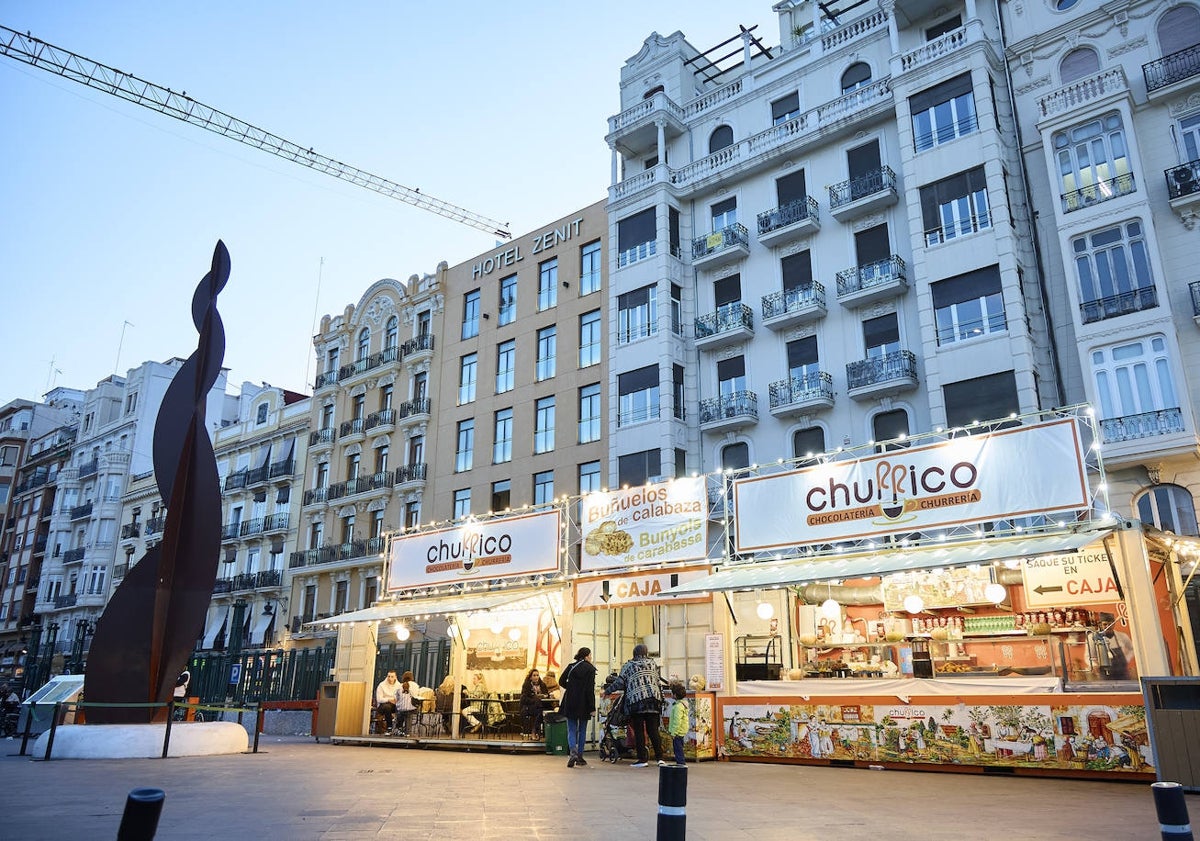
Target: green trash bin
(556,734)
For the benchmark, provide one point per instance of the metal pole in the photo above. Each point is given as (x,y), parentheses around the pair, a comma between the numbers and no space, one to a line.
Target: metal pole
(258,724)
(53,727)
(672,800)
(28,724)
(167,731)
(142,809)
(1172,811)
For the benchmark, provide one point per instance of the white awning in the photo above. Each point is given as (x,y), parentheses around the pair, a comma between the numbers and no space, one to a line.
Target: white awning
(443,605)
(259,629)
(215,626)
(759,576)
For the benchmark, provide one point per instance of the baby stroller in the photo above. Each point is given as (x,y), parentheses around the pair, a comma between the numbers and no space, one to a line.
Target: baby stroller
(617,741)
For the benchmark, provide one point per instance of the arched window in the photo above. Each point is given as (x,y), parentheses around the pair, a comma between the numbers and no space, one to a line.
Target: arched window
(653,91)
(887,426)
(364,343)
(735,456)
(808,443)
(1078,64)
(391,335)
(855,77)
(1179,29)
(1168,507)
(721,137)
(1062,5)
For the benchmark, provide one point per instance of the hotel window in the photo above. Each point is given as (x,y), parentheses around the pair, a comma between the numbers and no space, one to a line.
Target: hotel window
(468,368)
(391,332)
(638,396)
(721,138)
(785,108)
(993,397)
(1093,162)
(464,453)
(501,495)
(322,475)
(724,214)
(727,295)
(543,487)
(543,425)
(808,443)
(1134,378)
(735,456)
(790,189)
(589,268)
(857,76)
(502,439)
(363,349)
(327,417)
(797,276)
(589,339)
(547,284)
(506,361)
(340,598)
(680,463)
(881,336)
(804,367)
(636,314)
(589,413)
(635,469)
(462,503)
(955,206)
(637,237)
(968,306)
(589,477)
(1113,267)
(731,376)
(416,450)
(942,113)
(1170,508)
(547,345)
(470,320)
(420,390)
(508,300)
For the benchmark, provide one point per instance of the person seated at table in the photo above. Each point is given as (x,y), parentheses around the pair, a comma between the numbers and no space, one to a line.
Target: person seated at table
(385,699)
(467,711)
(553,690)
(533,692)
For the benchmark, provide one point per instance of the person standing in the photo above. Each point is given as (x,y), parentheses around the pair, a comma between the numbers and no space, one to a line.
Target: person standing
(578,703)
(643,702)
(678,726)
(385,699)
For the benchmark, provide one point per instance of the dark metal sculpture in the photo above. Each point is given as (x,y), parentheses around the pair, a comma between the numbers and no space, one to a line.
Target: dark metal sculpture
(149,628)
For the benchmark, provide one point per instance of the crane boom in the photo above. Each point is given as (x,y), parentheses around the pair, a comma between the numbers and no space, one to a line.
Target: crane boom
(69,65)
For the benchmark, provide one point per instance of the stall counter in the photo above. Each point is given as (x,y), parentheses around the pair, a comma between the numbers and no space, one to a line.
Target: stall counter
(904,687)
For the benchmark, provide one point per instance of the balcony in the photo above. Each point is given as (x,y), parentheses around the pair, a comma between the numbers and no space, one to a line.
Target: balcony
(792,307)
(303,558)
(349,488)
(251,527)
(411,474)
(316,496)
(939,47)
(417,349)
(353,428)
(863,194)
(329,378)
(1069,100)
(31,483)
(873,282)
(222,585)
(1101,191)
(257,475)
(730,325)
(81,511)
(789,222)
(876,376)
(237,480)
(383,421)
(242,581)
(338,552)
(282,469)
(322,437)
(729,411)
(267,578)
(801,395)
(636,129)
(1141,426)
(70,556)
(721,247)
(130,531)
(1172,69)
(1123,303)
(69,600)
(414,410)
(1194,289)
(155,525)
(276,522)
(369,363)
(89,469)
(231,531)
(381,481)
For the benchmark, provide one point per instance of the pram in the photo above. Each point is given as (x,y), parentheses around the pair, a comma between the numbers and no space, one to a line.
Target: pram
(617,741)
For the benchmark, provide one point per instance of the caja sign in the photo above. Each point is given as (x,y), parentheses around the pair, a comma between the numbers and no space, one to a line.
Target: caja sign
(1011,473)
(501,548)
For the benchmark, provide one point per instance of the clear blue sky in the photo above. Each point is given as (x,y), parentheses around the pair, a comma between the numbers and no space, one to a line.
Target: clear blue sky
(111,211)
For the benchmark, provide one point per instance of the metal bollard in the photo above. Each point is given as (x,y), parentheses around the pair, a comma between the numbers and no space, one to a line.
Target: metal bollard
(672,800)
(142,808)
(1172,811)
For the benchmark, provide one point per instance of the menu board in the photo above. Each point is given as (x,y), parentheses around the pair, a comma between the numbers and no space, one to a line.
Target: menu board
(946,587)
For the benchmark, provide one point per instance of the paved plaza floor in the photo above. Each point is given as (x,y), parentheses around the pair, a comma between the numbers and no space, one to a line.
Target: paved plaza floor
(297,789)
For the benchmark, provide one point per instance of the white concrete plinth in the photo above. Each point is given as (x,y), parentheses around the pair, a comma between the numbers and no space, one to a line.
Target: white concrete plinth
(140,741)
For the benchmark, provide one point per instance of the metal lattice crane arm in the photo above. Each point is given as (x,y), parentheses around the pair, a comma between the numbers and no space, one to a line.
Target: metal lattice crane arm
(69,65)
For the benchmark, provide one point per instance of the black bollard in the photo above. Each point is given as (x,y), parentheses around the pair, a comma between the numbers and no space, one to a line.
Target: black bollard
(672,800)
(1172,812)
(142,808)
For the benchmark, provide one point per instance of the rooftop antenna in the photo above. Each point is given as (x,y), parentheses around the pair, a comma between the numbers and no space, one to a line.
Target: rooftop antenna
(120,344)
(316,304)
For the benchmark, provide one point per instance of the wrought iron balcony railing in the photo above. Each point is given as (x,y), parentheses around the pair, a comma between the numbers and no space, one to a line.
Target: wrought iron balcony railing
(1101,191)
(130,530)
(788,214)
(231,531)
(419,406)
(283,467)
(1143,425)
(316,495)
(68,600)
(1172,68)
(1183,180)
(81,511)
(862,186)
(354,426)
(419,344)
(326,379)
(1122,303)
(879,369)
(729,317)
(411,473)
(862,278)
(267,578)
(793,300)
(276,522)
(728,406)
(322,436)
(89,468)
(254,526)
(257,475)
(801,389)
(69,556)
(733,236)
(237,480)
(386,417)
(155,524)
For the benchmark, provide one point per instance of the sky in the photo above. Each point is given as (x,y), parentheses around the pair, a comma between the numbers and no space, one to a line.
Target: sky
(111,210)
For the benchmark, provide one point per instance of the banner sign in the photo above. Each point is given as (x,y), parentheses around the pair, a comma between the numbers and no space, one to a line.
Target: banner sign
(651,524)
(1069,580)
(636,588)
(501,548)
(1014,472)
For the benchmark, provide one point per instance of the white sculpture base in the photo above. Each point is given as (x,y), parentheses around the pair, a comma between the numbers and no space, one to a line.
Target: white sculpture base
(141,741)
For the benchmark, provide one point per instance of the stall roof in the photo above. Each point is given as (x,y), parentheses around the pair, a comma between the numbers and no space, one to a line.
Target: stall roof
(419,607)
(761,575)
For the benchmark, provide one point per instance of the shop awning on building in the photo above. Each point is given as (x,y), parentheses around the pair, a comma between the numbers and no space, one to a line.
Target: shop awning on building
(215,627)
(784,573)
(258,631)
(434,607)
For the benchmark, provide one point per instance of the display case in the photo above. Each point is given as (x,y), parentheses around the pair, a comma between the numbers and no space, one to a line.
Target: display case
(758,656)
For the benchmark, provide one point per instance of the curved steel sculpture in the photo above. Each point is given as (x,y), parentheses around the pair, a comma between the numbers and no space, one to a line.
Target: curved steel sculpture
(149,628)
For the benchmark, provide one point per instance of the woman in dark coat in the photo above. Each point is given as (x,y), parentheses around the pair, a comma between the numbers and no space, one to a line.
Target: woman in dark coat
(533,692)
(578,681)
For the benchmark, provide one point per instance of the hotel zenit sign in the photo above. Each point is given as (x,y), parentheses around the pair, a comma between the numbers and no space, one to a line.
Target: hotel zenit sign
(1011,473)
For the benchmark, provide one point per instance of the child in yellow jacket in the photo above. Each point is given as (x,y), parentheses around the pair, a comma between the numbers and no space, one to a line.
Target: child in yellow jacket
(678,725)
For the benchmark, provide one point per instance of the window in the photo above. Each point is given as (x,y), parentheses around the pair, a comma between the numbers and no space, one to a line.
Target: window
(638,395)
(676,309)
(470,320)
(260,416)
(316,535)
(331,361)
(424,322)
(1189,130)
(363,348)
(468,367)
(680,463)
(322,477)
(803,363)
(501,495)
(955,206)
(724,214)
(735,456)
(327,416)
(464,453)
(1170,508)
(881,335)
(1114,272)
(797,272)
(1063,5)
(727,295)
(543,487)
(420,388)
(391,333)
(865,168)
(731,376)
(889,426)
(790,189)
(130,402)
(873,251)
(462,503)
(785,108)
(942,113)
(385,396)
(721,138)
(981,399)
(547,344)
(353,462)
(636,314)
(1133,378)
(502,440)
(1178,30)
(589,339)
(939,29)
(1093,162)
(968,305)
(412,515)
(589,413)
(857,75)
(636,237)
(677,393)
(381,458)
(1078,64)
(508,300)
(808,443)
(589,268)
(358,407)
(589,477)
(543,425)
(636,469)
(506,361)
(547,284)
(416,450)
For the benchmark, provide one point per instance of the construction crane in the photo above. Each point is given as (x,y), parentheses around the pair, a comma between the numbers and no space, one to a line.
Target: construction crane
(69,65)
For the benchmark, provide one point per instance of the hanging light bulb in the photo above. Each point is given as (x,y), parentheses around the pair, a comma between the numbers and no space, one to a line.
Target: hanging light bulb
(995,593)
(496,627)
(514,634)
(402,632)
(466,633)
(765,610)
(914,604)
(830,609)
